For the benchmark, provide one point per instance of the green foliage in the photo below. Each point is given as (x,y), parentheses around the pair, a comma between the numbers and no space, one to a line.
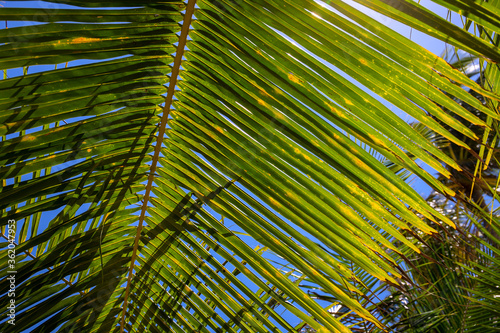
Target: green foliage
(269,192)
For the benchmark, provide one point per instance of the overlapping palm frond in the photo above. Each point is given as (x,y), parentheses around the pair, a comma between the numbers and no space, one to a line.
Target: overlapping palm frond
(228,207)
(454,281)
(75,150)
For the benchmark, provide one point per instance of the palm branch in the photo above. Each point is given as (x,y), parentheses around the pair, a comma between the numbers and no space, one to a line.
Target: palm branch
(205,167)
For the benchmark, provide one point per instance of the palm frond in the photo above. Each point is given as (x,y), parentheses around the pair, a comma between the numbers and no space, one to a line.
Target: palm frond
(134,215)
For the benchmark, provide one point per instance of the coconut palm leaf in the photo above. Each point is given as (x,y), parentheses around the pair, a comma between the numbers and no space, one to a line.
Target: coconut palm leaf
(457,289)
(180,140)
